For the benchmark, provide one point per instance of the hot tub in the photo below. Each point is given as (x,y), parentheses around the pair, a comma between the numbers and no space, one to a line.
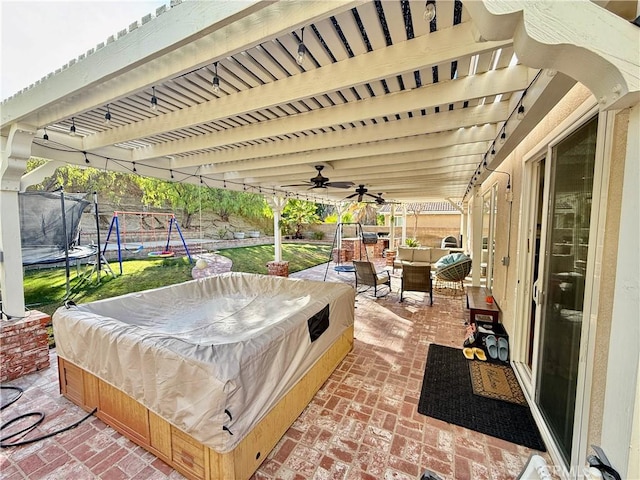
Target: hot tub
(191,370)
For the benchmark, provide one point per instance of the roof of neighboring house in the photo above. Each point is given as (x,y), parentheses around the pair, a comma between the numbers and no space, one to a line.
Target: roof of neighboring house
(424,207)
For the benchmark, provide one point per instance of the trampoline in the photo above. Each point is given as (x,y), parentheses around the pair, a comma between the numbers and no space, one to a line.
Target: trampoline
(49,227)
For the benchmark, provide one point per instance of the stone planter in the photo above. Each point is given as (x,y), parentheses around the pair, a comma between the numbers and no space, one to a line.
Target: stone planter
(253,234)
(238,235)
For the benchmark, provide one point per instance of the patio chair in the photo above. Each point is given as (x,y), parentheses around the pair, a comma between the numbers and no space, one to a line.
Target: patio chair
(366,275)
(454,273)
(416,278)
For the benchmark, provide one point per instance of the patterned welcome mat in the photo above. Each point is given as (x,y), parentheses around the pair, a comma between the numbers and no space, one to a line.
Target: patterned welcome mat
(495,381)
(447,395)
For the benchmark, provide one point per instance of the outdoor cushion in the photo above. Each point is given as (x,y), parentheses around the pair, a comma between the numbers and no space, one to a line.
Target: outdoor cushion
(405,254)
(422,255)
(450,259)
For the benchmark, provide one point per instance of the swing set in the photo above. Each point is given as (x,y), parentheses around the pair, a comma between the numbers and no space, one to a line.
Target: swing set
(124,237)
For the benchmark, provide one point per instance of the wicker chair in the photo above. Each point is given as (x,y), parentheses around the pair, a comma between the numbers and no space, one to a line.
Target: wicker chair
(416,278)
(454,273)
(367,275)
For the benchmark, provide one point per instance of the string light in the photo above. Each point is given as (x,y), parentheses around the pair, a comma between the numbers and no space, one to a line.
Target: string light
(171,173)
(86,160)
(216,79)
(107,116)
(520,114)
(503,136)
(429,11)
(302,49)
(134,167)
(72,129)
(45,137)
(154,99)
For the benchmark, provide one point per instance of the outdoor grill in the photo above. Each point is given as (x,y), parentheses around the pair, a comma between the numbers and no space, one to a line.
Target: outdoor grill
(369,238)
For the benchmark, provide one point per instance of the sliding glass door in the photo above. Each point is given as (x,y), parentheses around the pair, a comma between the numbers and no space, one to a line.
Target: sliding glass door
(563,266)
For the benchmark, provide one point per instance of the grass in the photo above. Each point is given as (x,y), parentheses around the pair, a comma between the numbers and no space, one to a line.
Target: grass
(45,289)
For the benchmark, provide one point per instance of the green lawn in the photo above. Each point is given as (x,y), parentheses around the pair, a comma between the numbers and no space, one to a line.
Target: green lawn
(45,289)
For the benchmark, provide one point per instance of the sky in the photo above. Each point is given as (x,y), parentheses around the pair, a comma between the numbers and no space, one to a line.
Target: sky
(38,37)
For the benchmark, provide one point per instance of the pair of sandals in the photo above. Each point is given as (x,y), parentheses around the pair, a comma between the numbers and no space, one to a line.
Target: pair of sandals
(497,348)
(471,352)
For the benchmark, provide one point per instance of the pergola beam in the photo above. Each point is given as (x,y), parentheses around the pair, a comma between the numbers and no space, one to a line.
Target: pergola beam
(488,84)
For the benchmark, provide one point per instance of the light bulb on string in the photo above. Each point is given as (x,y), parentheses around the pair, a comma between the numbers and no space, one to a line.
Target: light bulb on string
(45,137)
(72,128)
(134,167)
(429,12)
(503,136)
(154,99)
(302,49)
(520,114)
(86,160)
(216,80)
(107,116)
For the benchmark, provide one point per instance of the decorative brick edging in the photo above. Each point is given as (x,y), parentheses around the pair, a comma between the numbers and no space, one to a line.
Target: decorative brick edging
(24,345)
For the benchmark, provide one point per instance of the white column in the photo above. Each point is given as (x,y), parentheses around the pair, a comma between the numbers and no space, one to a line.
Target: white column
(404,225)
(392,229)
(277,203)
(464,226)
(622,395)
(16,150)
(476,237)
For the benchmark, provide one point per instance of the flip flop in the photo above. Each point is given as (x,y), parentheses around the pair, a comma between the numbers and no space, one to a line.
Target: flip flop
(480,354)
(503,349)
(468,353)
(492,346)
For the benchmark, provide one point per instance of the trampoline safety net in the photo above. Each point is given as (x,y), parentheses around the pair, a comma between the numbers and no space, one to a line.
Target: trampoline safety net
(42,229)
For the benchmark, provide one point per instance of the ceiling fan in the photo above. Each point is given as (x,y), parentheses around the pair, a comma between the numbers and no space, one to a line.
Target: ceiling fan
(381,201)
(320,181)
(361,191)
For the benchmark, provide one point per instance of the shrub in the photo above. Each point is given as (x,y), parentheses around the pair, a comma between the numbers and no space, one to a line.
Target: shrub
(412,242)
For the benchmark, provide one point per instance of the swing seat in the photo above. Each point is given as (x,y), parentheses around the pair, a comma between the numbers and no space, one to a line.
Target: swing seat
(161,254)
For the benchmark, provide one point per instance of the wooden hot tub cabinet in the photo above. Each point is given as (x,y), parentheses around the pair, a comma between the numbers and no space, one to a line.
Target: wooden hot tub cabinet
(178,449)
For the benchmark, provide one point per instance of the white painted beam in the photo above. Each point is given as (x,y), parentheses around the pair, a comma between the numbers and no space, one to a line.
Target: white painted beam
(408,56)
(560,36)
(468,125)
(491,83)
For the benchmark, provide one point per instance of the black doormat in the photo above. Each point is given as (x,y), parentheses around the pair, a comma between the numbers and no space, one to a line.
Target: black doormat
(447,395)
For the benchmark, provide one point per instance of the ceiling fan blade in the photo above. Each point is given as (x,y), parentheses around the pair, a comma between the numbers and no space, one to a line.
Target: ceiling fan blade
(298,185)
(339,184)
(350,196)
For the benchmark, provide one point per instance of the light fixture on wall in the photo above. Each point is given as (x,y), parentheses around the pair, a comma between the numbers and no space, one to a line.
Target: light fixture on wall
(154,99)
(216,80)
(72,128)
(107,116)
(302,49)
(429,11)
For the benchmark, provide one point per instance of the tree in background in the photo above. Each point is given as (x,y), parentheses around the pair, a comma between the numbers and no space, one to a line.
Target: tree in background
(298,213)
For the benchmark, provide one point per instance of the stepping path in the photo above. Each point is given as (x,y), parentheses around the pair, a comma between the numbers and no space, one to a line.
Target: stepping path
(216,264)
